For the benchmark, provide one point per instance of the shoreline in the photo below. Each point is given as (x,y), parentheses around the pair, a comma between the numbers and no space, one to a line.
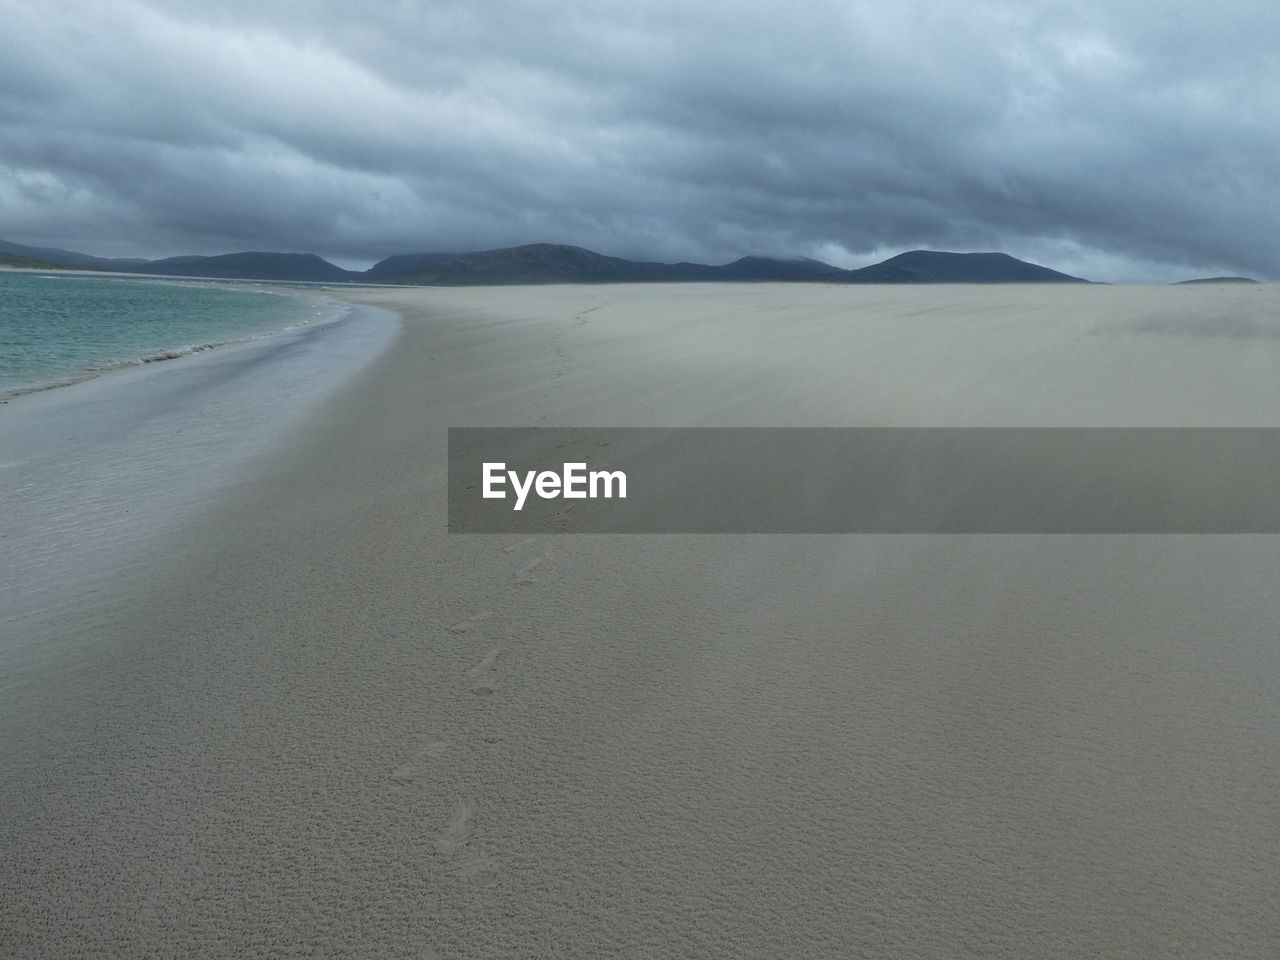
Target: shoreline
(162,354)
(325,724)
(99,477)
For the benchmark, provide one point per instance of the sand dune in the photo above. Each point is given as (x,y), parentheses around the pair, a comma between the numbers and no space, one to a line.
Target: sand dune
(326,727)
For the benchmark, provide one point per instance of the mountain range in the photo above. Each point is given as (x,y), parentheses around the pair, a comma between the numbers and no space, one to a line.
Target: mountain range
(538,263)
(549,263)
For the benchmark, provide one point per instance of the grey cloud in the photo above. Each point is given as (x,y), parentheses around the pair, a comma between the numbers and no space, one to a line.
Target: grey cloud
(1131,137)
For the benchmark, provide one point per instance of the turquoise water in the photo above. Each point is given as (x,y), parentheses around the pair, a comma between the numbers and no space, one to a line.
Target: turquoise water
(56,330)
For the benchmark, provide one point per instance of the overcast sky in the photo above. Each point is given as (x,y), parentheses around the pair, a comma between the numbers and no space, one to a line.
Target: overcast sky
(1128,140)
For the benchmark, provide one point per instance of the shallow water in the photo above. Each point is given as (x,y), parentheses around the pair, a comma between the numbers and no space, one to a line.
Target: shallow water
(59,329)
(92,474)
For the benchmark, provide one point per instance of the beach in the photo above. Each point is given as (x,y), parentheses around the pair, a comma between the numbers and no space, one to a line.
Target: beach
(306,720)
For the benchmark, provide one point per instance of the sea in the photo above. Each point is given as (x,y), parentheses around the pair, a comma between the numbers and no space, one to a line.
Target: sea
(58,329)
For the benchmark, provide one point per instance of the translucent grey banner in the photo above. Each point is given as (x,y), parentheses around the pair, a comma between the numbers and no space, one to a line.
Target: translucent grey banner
(864,480)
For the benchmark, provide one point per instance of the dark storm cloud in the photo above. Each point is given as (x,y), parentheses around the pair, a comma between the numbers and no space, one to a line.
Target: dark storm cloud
(1120,140)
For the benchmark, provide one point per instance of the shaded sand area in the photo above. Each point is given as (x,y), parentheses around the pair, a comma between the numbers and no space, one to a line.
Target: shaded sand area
(327,728)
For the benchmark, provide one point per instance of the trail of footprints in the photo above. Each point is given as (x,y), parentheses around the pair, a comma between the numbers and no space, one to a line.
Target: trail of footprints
(561,354)
(452,842)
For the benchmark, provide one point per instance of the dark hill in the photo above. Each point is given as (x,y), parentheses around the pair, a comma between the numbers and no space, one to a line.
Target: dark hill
(26,263)
(251,266)
(240,266)
(773,268)
(405,263)
(1218,280)
(936,266)
(68,258)
(547,263)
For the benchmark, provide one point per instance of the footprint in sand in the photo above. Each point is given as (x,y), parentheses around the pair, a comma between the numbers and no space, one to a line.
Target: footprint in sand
(525,574)
(480,869)
(472,622)
(475,867)
(480,673)
(484,666)
(419,762)
(455,836)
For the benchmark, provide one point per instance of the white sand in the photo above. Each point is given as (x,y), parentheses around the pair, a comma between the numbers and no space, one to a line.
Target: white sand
(329,729)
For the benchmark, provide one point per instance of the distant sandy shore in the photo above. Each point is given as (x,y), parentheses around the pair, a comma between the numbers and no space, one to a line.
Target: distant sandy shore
(325,727)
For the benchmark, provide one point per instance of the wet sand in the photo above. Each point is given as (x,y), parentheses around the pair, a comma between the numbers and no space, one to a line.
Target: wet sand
(323,726)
